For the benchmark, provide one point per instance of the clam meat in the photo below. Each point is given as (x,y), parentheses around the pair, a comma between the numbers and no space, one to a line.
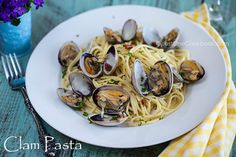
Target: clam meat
(67,53)
(69,97)
(191,71)
(111,99)
(112,37)
(160,79)
(89,65)
(171,39)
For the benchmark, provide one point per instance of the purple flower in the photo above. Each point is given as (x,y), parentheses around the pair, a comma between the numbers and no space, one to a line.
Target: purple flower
(38,3)
(13,9)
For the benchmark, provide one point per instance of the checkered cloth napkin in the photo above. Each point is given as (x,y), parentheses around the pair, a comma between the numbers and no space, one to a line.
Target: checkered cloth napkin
(214,136)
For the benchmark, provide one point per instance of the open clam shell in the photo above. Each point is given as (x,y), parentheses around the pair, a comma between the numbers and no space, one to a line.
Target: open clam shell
(111,99)
(69,97)
(151,36)
(111,36)
(67,53)
(89,65)
(160,79)
(129,30)
(171,39)
(81,84)
(191,71)
(111,61)
(139,78)
(178,77)
(107,120)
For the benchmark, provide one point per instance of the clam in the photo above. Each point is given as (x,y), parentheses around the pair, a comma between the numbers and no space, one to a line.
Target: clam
(129,30)
(67,53)
(151,36)
(108,120)
(171,39)
(139,78)
(111,99)
(191,71)
(160,79)
(111,61)
(81,84)
(177,76)
(90,65)
(69,97)
(112,37)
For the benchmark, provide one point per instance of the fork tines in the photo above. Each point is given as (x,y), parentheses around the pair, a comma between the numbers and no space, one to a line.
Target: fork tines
(11,66)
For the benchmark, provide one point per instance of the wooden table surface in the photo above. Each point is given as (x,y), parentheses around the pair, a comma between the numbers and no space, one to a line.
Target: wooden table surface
(15,119)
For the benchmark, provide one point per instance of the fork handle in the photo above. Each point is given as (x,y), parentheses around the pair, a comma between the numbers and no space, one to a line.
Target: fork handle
(49,147)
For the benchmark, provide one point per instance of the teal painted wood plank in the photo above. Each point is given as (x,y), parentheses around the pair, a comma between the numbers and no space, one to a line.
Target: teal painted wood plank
(14,119)
(89,150)
(17,121)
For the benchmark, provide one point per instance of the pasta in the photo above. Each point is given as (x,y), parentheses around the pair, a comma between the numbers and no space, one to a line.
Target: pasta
(140,109)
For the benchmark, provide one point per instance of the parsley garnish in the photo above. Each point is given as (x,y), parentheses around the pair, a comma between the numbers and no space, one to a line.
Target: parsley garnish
(181,73)
(85,114)
(130,54)
(80,105)
(64,73)
(114,118)
(140,123)
(141,52)
(142,78)
(112,81)
(162,117)
(144,89)
(90,121)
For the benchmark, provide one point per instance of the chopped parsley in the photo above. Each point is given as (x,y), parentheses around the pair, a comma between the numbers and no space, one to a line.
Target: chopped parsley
(130,54)
(114,118)
(140,123)
(64,72)
(181,73)
(90,121)
(141,52)
(162,117)
(80,105)
(144,89)
(142,78)
(85,114)
(112,81)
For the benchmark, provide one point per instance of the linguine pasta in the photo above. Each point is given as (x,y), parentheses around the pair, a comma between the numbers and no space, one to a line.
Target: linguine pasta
(140,109)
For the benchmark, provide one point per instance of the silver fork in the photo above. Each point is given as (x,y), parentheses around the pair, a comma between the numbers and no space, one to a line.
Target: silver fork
(16,80)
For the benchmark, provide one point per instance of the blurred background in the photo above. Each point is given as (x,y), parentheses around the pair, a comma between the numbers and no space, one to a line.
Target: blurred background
(222,12)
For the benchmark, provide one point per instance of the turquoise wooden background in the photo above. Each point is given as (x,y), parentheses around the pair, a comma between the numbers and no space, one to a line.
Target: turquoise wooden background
(15,120)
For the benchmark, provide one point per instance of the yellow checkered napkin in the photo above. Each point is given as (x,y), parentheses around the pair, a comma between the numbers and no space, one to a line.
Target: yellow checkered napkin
(215,135)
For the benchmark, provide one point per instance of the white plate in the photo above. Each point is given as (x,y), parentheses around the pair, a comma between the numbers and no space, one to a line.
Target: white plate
(43,71)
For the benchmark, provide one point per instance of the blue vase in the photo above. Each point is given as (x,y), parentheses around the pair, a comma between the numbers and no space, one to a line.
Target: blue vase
(16,39)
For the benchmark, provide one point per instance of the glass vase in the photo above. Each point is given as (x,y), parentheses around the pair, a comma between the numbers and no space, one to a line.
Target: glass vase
(16,39)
